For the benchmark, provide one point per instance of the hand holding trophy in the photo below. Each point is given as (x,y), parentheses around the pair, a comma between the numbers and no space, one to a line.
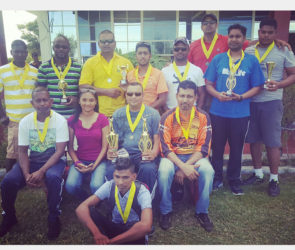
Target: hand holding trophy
(113,140)
(269,68)
(145,143)
(62,86)
(231,83)
(123,70)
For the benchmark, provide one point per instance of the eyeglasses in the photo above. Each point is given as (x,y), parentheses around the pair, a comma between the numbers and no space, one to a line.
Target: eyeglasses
(177,49)
(132,94)
(208,22)
(106,41)
(85,90)
(60,46)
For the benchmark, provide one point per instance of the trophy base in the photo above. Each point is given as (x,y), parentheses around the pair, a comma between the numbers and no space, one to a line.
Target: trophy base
(144,159)
(63,100)
(123,82)
(229,93)
(265,86)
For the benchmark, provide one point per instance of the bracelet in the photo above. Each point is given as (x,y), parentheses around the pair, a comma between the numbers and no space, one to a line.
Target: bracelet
(77,162)
(241,98)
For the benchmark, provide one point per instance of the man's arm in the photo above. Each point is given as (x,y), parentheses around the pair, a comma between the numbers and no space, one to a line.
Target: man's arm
(138,230)
(113,92)
(161,101)
(201,96)
(252,92)
(278,42)
(273,85)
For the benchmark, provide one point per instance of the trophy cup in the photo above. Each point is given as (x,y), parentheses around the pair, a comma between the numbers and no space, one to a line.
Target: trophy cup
(62,85)
(269,68)
(123,69)
(145,143)
(113,139)
(231,82)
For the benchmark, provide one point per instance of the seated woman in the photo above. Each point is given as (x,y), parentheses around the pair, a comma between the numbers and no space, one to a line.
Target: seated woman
(90,129)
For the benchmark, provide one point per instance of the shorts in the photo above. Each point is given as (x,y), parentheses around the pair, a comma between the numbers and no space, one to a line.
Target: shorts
(265,123)
(12,140)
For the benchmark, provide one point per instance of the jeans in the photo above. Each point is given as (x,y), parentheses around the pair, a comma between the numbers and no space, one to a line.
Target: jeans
(166,173)
(75,180)
(14,180)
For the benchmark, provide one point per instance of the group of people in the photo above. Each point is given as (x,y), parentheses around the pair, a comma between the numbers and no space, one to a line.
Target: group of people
(108,96)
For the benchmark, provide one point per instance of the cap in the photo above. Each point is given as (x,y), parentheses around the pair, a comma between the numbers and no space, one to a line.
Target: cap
(184,40)
(212,16)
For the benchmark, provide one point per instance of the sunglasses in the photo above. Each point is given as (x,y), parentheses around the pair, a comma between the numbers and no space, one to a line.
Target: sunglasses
(208,22)
(178,49)
(132,94)
(85,90)
(61,46)
(106,41)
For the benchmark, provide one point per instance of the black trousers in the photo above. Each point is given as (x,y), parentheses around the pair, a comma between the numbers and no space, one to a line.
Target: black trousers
(234,131)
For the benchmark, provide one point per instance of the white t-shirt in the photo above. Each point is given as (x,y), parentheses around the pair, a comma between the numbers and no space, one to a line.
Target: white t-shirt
(195,74)
(28,136)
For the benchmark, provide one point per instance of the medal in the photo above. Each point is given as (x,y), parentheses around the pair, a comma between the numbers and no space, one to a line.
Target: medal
(131,137)
(109,80)
(207,63)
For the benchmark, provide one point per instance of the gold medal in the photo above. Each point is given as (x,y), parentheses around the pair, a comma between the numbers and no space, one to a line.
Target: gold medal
(131,137)
(109,80)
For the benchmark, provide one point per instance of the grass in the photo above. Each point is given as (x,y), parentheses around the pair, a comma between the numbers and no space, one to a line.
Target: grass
(254,218)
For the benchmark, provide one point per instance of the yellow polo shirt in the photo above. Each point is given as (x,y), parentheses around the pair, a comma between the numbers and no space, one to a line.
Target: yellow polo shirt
(94,73)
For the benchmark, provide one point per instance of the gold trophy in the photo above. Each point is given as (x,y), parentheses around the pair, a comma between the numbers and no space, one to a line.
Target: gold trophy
(123,70)
(269,68)
(231,83)
(145,143)
(62,85)
(112,138)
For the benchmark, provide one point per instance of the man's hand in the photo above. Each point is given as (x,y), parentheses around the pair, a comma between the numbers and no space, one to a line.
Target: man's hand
(148,156)
(179,176)
(272,85)
(281,44)
(236,97)
(101,239)
(37,177)
(114,92)
(84,168)
(72,101)
(223,97)
(190,172)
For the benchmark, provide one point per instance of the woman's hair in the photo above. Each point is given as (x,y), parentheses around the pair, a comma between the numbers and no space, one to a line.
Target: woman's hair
(78,107)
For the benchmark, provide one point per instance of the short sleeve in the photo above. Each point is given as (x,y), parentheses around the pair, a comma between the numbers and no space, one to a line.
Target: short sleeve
(104,191)
(256,76)
(87,76)
(211,72)
(156,121)
(70,120)
(62,130)
(103,120)
(162,85)
(23,133)
(144,198)
(289,59)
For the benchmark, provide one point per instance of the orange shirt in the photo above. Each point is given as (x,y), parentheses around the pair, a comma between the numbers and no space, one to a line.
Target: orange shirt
(156,85)
(173,140)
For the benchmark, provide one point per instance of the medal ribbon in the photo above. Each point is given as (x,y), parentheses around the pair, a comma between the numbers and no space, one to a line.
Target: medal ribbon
(129,202)
(61,75)
(134,125)
(181,78)
(269,48)
(234,67)
(109,67)
(185,131)
(45,128)
(146,77)
(19,78)
(206,52)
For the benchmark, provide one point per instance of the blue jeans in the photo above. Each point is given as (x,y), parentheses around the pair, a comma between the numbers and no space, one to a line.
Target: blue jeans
(14,180)
(166,173)
(75,179)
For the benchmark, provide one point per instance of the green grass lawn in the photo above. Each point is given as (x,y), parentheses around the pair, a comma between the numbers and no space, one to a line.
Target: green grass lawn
(254,218)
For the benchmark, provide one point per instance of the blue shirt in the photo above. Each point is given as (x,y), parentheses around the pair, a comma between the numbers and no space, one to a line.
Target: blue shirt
(248,75)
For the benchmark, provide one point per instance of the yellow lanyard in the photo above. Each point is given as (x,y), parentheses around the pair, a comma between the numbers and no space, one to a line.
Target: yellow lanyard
(134,125)
(61,75)
(22,77)
(185,131)
(207,53)
(269,48)
(129,202)
(107,68)
(234,67)
(181,78)
(146,77)
(45,128)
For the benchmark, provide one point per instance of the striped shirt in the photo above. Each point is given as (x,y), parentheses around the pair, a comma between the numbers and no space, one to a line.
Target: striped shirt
(17,98)
(47,77)
(173,140)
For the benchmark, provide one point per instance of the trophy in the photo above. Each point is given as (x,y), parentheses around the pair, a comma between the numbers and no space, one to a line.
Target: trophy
(145,143)
(112,138)
(62,85)
(269,68)
(123,70)
(231,82)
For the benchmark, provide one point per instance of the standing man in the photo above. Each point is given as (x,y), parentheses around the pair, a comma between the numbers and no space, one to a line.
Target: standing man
(180,70)
(35,63)
(42,164)
(103,71)
(154,85)
(230,112)
(61,68)
(185,134)
(265,128)
(17,80)
(128,124)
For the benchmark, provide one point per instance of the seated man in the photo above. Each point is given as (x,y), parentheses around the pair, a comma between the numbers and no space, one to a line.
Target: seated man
(45,133)
(128,124)
(185,135)
(129,206)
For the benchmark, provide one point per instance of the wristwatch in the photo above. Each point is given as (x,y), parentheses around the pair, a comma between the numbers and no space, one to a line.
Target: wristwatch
(241,98)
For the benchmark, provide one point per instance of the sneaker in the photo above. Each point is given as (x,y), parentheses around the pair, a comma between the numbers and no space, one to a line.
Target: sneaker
(7,224)
(165,221)
(273,188)
(217,185)
(253,179)
(53,229)
(236,189)
(205,221)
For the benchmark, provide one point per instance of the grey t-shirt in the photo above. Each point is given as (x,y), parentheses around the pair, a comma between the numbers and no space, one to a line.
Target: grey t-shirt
(283,58)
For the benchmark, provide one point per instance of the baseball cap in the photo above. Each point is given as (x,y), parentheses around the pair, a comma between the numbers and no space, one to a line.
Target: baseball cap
(184,40)
(212,16)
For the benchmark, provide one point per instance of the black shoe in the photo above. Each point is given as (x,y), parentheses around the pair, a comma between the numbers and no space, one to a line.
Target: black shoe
(165,221)
(53,229)
(236,189)
(253,179)
(217,185)
(7,224)
(205,221)
(273,188)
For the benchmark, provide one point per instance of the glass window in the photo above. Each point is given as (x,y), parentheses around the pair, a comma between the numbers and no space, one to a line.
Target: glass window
(197,32)
(93,17)
(84,33)
(56,31)
(134,33)
(122,47)
(55,17)
(120,32)
(292,27)
(83,18)
(99,27)
(190,24)
(69,18)
(182,29)
(70,32)
(88,49)
(162,47)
